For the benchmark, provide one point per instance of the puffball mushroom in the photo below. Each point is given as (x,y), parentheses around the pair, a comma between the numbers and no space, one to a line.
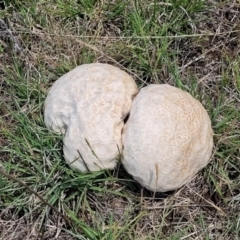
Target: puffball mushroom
(88,105)
(167,139)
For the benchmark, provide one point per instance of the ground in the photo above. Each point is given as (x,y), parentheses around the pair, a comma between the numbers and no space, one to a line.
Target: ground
(193,45)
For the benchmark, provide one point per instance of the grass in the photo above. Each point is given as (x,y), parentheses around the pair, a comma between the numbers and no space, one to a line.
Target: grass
(193,45)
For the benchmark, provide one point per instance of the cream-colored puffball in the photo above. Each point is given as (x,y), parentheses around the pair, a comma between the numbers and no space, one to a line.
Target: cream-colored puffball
(167,139)
(88,105)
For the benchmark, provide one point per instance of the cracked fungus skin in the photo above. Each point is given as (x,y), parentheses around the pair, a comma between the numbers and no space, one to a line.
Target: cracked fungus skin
(88,105)
(168,138)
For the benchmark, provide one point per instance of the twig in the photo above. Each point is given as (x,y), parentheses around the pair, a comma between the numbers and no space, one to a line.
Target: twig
(11,177)
(209,202)
(137,37)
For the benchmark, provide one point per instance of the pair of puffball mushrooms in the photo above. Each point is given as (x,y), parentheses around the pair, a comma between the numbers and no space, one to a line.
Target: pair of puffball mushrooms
(166,140)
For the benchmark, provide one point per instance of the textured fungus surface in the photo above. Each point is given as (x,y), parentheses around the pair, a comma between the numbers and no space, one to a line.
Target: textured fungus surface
(88,105)
(167,139)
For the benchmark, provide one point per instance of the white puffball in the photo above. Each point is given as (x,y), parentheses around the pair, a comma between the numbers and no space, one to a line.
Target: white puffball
(167,139)
(88,105)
